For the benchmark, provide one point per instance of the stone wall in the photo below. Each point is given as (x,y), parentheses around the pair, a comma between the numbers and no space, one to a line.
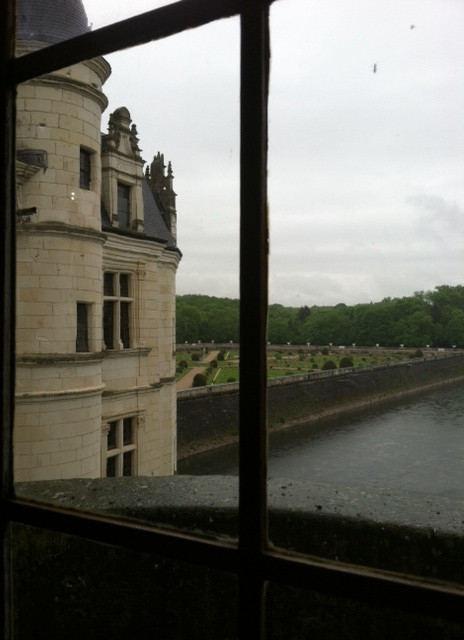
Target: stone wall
(208,417)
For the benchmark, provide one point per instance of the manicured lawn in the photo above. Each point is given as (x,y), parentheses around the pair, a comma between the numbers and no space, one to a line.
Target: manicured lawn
(282,362)
(225,374)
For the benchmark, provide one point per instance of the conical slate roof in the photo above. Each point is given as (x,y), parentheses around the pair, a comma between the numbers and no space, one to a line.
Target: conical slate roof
(50,21)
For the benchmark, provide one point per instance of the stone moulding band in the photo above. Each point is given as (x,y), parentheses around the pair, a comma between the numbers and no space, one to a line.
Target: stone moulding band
(51,395)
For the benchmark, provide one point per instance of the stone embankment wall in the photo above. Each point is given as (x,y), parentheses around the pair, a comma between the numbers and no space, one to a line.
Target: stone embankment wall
(207,417)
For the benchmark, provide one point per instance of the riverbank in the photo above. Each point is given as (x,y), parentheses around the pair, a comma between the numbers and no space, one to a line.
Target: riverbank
(208,419)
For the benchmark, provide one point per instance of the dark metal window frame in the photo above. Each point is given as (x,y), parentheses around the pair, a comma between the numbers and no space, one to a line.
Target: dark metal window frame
(253,560)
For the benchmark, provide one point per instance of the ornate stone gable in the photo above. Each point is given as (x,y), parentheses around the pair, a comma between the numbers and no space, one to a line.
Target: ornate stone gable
(122,136)
(122,173)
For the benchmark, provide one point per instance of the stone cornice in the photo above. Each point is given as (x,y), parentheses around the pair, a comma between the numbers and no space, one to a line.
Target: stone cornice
(132,242)
(58,358)
(33,396)
(82,88)
(60,228)
(141,351)
(101,66)
(145,388)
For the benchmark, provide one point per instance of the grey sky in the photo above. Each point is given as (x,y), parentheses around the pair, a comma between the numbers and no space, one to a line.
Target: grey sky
(366,145)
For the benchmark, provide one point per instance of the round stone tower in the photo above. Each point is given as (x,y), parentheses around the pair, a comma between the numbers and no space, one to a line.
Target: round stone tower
(59,253)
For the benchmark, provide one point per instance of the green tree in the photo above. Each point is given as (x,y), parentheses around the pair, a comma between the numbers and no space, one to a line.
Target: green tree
(345,362)
(329,364)
(199,380)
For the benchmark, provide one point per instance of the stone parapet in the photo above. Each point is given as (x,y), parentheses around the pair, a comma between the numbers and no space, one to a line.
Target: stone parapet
(65,585)
(389,529)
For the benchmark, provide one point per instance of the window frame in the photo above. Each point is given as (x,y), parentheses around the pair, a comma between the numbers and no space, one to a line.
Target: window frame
(122,333)
(121,448)
(254,561)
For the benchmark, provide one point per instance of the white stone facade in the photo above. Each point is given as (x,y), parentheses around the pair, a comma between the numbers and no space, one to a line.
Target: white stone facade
(80,401)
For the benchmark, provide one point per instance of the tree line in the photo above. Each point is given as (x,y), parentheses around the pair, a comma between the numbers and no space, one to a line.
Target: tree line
(434,318)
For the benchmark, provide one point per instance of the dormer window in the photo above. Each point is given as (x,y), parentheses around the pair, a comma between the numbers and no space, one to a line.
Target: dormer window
(123,205)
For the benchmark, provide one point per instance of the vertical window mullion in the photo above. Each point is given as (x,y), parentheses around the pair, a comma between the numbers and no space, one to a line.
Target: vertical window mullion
(253,314)
(7,309)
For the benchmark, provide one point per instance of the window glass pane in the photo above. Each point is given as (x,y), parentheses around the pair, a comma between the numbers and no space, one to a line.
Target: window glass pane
(131,379)
(108,279)
(100,15)
(127,463)
(124,285)
(60,580)
(39,27)
(125,333)
(303,613)
(108,324)
(127,431)
(84,169)
(112,435)
(365,164)
(123,205)
(111,467)
(82,338)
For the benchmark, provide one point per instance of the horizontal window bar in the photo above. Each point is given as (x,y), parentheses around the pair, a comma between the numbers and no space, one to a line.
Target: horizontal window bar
(367,585)
(131,535)
(147,27)
(361,583)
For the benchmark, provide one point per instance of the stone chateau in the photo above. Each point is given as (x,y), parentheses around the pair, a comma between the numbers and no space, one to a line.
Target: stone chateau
(96,267)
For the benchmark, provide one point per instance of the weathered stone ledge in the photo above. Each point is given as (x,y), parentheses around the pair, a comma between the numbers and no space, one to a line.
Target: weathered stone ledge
(388,529)
(69,587)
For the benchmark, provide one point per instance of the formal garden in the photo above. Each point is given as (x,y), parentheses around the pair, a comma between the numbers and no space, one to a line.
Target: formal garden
(224,366)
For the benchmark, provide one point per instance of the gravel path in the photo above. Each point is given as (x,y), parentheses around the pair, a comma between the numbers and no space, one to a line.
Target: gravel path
(186,381)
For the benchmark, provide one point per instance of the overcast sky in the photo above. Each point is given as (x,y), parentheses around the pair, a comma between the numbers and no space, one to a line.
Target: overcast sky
(366,148)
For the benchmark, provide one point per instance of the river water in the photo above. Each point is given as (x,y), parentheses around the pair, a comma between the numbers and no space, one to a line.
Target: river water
(415,444)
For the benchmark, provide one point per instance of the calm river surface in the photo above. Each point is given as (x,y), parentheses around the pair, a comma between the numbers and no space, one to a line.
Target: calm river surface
(415,444)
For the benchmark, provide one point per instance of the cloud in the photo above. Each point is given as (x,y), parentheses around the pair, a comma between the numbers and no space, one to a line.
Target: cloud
(366,196)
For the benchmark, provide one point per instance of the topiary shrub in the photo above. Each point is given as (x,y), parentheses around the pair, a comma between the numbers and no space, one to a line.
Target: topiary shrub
(199,380)
(325,351)
(329,364)
(195,357)
(221,355)
(231,379)
(418,353)
(183,364)
(346,361)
